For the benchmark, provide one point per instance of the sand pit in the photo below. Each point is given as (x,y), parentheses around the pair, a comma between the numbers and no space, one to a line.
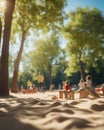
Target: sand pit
(39,111)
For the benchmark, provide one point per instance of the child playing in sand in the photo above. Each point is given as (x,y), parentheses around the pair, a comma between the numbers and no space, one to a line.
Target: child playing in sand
(81,85)
(69,91)
(89,86)
(89,82)
(67,86)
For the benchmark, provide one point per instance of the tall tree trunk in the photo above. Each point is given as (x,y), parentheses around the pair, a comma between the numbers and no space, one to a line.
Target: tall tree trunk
(50,74)
(82,72)
(4,75)
(0,32)
(0,40)
(14,84)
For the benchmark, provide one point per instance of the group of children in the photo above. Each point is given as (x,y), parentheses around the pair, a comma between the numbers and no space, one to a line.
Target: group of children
(87,86)
(82,84)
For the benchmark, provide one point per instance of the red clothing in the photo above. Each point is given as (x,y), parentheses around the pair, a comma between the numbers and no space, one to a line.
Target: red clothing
(67,87)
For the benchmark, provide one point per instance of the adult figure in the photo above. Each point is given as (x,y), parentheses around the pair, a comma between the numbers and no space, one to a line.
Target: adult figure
(41,82)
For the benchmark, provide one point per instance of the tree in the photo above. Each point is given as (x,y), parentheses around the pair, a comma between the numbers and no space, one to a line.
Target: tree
(4,89)
(58,69)
(30,15)
(0,31)
(2,10)
(85,39)
(45,54)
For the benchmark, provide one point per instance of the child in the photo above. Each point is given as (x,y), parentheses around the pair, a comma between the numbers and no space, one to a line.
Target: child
(81,85)
(89,82)
(89,85)
(69,92)
(67,86)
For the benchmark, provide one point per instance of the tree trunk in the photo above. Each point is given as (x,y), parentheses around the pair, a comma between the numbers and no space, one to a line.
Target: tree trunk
(82,72)
(4,75)
(0,32)
(0,40)
(50,74)
(14,84)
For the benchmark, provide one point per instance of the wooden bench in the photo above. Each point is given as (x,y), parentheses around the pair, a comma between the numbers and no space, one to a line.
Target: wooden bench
(66,94)
(62,94)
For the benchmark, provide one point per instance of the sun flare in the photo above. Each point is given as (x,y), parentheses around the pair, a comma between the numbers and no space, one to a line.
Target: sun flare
(2,4)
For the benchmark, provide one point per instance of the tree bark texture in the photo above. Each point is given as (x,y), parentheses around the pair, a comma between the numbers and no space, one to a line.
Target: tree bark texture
(14,84)
(4,74)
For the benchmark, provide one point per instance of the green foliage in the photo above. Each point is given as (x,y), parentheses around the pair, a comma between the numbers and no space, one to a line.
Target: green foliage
(36,14)
(45,53)
(39,62)
(98,76)
(2,7)
(23,78)
(85,35)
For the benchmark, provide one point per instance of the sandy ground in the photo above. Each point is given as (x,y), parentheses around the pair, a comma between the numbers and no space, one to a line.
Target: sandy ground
(39,111)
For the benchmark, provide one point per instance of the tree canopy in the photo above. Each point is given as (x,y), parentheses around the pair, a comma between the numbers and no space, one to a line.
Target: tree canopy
(85,34)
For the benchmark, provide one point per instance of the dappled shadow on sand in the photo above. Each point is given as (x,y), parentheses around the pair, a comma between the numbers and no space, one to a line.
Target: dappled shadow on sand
(97,107)
(36,114)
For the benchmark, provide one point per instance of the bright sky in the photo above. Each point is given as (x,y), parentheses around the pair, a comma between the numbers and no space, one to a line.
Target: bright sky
(73,4)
